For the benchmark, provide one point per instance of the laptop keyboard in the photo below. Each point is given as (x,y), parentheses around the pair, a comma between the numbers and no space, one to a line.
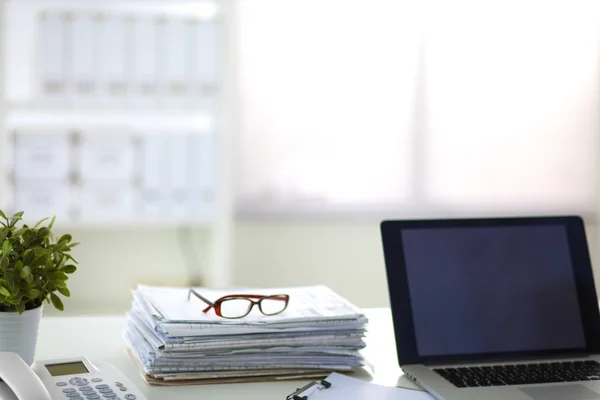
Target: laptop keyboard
(522,374)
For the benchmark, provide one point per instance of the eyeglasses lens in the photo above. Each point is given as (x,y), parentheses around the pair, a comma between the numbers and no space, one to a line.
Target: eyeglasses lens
(273,305)
(235,308)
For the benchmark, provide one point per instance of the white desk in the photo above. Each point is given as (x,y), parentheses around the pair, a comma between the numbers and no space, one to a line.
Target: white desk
(99,339)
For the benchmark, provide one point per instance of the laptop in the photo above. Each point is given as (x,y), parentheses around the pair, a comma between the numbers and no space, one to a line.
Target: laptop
(494,308)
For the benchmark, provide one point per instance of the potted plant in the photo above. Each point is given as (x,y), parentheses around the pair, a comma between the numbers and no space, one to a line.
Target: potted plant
(34,268)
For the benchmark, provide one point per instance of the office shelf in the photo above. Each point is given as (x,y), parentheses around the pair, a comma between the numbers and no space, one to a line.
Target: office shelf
(27,112)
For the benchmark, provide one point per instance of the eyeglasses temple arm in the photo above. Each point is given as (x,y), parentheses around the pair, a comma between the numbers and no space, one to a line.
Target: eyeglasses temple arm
(198,295)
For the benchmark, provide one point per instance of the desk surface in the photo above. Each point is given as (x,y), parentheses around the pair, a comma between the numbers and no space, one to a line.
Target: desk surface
(99,339)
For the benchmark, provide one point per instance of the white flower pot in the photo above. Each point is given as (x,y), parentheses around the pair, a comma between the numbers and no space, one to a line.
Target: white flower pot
(18,333)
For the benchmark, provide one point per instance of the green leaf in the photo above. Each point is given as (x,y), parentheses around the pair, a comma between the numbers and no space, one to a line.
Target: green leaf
(4,263)
(71,258)
(10,280)
(4,291)
(25,272)
(69,269)
(6,247)
(64,291)
(20,307)
(56,302)
(60,284)
(2,215)
(40,222)
(39,261)
(51,224)
(4,234)
(65,238)
(15,218)
(59,276)
(43,232)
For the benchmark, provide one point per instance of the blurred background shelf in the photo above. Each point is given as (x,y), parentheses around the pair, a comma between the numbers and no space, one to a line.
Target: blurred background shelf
(111,118)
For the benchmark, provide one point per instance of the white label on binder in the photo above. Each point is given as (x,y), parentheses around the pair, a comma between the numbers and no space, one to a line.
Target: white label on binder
(53,52)
(83,62)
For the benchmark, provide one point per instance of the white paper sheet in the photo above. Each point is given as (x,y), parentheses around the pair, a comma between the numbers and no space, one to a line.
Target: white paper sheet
(347,388)
(314,303)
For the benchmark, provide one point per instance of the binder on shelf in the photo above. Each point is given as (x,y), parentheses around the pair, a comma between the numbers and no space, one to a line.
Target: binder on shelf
(173,82)
(43,198)
(201,40)
(83,65)
(52,48)
(102,202)
(107,156)
(43,155)
(145,57)
(113,48)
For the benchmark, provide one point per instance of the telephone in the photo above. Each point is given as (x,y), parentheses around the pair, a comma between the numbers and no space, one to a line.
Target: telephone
(67,379)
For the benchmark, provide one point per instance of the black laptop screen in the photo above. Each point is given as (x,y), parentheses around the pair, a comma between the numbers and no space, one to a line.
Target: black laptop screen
(476,290)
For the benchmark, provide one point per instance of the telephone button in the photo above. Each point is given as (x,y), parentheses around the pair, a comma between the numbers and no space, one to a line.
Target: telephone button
(106,390)
(96,379)
(69,390)
(130,396)
(123,389)
(84,388)
(72,394)
(61,383)
(109,395)
(103,386)
(92,396)
(77,381)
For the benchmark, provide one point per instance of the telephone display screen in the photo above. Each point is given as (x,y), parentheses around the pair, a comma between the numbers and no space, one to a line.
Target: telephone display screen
(67,368)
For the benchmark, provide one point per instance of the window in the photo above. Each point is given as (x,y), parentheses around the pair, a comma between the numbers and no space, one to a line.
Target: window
(362,106)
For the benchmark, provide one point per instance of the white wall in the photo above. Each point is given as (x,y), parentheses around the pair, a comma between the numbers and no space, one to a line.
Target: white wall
(346,256)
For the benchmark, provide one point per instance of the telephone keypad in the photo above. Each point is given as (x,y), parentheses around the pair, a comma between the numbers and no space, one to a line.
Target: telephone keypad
(102,391)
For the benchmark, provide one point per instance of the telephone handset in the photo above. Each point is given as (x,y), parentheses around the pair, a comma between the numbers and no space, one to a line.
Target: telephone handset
(68,379)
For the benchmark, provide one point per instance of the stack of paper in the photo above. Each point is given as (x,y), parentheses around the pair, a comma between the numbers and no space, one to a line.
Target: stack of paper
(175,342)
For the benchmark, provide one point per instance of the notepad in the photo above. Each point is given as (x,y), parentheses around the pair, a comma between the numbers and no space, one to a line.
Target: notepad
(347,388)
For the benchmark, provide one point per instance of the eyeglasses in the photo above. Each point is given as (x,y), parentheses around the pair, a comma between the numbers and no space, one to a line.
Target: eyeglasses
(239,305)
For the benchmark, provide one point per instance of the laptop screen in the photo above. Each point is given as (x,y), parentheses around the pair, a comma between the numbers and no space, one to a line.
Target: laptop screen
(487,288)
(477,290)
